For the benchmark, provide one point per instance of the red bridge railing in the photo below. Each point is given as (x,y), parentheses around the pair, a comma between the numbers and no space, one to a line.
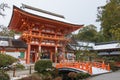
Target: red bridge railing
(86,66)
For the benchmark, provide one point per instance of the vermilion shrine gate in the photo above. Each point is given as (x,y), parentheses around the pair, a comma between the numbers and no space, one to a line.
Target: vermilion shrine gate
(44,36)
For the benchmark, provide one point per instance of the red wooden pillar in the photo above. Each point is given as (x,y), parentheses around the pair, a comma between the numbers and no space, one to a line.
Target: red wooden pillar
(28,54)
(25,54)
(3,51)
(90,69)
(63,51)
(36,55)
(39,53)
(108,67)
(103,65)
(51,56)
(40,42)
(56,50)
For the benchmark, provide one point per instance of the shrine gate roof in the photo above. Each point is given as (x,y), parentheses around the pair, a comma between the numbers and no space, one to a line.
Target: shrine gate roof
(21,17)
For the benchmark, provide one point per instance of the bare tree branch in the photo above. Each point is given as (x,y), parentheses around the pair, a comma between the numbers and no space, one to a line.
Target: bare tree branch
(2,14)
(2,7)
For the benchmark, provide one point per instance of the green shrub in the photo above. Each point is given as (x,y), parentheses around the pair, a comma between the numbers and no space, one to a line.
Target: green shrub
(82,75)
(19,66)
(72,75)
(47,76)
(58,78)
(113,66)
(54,72)
(33,77)
(6,60)
(43,66)
(4,76)
(38,76)
(112,61)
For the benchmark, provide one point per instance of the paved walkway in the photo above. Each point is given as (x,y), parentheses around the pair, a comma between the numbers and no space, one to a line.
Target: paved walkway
(20,72)
(109,76)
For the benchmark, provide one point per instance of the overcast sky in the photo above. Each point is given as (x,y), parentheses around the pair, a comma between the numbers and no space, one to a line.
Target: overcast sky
(75,11)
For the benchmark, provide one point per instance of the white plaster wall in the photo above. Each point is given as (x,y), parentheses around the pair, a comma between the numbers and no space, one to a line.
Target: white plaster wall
(14,54)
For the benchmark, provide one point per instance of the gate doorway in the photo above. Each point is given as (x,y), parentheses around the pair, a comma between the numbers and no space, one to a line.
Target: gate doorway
(34,53)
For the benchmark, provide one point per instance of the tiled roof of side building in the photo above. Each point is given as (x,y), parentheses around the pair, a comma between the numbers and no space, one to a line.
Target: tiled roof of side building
(18,43)
(12,43)
(107,45)
(102,43)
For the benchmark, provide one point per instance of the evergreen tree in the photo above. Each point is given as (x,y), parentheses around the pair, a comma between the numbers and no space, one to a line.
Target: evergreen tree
(87,33)
(109,16)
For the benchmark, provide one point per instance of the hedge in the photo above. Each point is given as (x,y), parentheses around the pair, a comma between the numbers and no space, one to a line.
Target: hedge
(43,65)
(6,60)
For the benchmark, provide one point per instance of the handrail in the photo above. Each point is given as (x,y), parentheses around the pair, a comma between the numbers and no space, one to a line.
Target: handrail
(86,66)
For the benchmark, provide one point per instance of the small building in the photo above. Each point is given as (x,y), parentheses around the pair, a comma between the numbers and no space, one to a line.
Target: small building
(80,45)
(108,48)
(103,49)
(74,46)
(14,47)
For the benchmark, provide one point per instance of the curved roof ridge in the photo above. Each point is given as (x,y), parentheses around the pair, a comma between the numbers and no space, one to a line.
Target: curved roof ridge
(41,10)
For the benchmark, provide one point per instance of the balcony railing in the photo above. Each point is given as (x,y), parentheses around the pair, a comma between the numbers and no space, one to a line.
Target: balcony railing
(51,37)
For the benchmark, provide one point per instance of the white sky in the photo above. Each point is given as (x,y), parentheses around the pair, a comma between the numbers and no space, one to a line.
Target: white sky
(76,11)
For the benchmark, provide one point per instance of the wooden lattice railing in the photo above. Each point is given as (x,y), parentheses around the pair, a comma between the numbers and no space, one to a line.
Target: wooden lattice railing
(86,66)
